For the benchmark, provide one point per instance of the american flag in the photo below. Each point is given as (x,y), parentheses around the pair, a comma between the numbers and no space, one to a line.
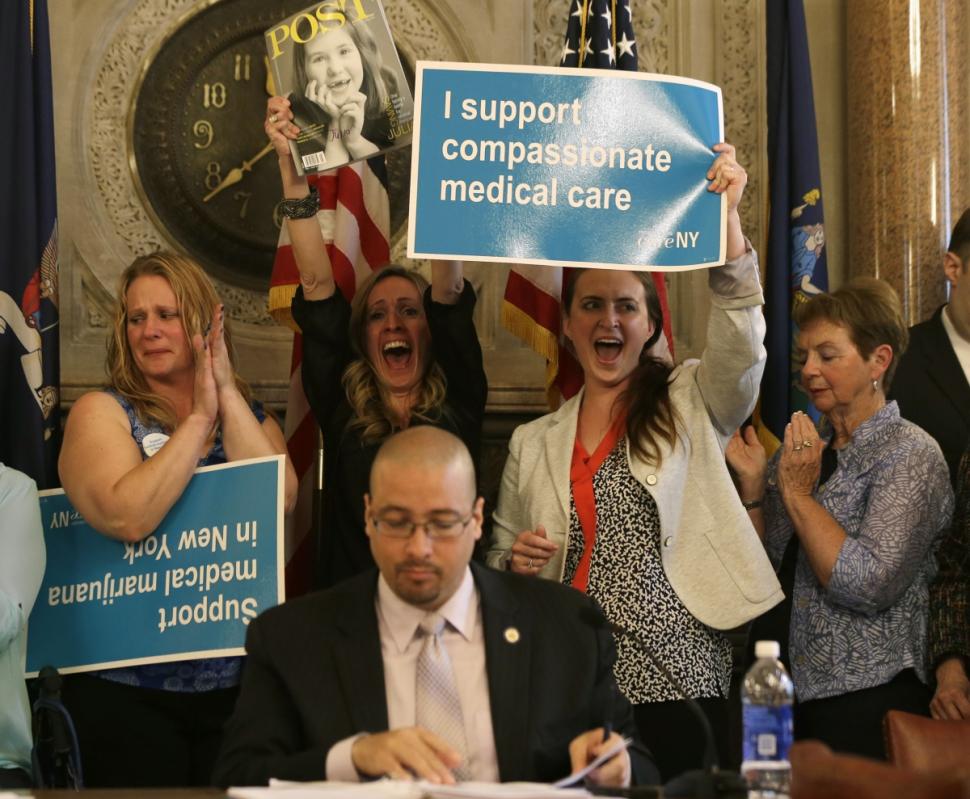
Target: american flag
(354,218)
(599,34)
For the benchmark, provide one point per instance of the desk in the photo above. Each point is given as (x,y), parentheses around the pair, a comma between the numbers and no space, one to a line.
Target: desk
(121,793)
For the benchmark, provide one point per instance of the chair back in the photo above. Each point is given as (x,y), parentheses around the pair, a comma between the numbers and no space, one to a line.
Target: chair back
(56,756)
(927,745)
(819,773)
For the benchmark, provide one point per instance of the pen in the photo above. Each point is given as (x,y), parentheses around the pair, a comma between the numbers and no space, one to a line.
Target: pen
(608,719)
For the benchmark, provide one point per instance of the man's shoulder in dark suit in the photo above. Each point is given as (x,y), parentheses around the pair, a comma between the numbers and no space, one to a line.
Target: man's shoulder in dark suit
(932,390)
(314,676)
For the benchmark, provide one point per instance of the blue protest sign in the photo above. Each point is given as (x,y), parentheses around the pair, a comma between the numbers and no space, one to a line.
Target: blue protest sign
(565,167)
(186,591)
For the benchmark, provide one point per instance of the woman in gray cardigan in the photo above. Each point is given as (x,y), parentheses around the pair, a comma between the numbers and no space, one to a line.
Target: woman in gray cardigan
(624,493)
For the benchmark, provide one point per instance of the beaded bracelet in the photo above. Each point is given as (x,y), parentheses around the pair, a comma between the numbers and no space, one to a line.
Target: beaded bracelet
(304,208)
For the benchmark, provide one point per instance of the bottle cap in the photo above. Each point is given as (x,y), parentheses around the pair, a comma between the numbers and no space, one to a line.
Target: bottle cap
(767,649)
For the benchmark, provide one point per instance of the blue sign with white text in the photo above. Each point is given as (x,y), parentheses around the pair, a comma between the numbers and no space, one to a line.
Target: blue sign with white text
(186,591)
(565,167)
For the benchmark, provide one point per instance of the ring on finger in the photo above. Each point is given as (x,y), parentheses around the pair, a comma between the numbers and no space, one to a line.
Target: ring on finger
(273,119)
(807,444)
(797,447)
(530,563)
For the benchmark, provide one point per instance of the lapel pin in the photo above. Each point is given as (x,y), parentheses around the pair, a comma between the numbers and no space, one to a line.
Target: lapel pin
(512,635)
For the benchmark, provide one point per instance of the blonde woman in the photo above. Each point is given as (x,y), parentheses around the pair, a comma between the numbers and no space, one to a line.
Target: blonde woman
(173,402)
(402,353)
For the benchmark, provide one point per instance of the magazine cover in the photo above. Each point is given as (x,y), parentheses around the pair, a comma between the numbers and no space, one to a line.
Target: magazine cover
(337,64)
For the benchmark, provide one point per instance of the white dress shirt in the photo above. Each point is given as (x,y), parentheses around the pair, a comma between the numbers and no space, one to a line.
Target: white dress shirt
(960,345)
(463,637)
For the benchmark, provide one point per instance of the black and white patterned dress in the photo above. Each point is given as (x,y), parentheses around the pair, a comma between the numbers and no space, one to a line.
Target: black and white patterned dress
(627,579)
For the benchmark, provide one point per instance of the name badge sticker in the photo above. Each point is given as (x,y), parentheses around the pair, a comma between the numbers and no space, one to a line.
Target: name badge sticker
(153,442)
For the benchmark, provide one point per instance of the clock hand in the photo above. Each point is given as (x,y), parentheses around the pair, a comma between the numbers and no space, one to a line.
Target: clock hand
(236,173)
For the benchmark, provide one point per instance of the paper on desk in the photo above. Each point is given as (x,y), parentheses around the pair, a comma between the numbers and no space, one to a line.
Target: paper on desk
(502,790)
(285,789)
(402,789)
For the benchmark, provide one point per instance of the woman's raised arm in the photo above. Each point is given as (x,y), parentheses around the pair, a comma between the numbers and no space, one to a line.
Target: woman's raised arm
(447,281)
(309,250)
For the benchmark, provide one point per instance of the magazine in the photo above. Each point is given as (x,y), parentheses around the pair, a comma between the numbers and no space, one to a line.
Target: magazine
(336,63)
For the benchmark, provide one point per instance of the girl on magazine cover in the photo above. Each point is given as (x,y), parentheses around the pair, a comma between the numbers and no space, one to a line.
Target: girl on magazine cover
(342,94)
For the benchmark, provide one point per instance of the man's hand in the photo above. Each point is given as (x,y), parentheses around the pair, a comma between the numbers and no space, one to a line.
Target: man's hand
(585,748)
(952,697)
(405,753)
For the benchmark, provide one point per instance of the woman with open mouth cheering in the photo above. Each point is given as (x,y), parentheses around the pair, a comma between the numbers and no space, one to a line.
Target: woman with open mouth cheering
(399,353)
(624,493)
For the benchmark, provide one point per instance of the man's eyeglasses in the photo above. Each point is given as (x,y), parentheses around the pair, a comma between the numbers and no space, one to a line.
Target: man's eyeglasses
(393,526)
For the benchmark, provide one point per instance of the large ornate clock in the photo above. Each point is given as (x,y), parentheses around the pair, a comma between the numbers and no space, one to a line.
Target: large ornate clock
(199,154)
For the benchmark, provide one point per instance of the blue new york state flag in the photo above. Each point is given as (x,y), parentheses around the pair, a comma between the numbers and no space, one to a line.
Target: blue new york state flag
(795,264)
(29,363)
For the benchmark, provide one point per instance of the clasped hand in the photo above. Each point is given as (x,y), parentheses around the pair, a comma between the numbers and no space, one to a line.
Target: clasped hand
(213,369)
(346,117)
(799,465)
(801,458)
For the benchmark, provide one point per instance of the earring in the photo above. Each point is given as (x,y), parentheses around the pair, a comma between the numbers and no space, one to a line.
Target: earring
(875,386)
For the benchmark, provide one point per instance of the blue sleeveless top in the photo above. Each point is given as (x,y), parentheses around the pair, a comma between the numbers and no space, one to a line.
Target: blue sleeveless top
(187,676)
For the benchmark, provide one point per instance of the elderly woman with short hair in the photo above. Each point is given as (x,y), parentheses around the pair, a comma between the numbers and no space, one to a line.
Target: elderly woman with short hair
(860,505)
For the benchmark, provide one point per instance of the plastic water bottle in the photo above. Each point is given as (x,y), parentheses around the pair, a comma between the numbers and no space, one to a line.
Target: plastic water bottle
(767,696)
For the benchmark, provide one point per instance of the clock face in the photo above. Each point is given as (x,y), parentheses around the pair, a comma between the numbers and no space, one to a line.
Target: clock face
(199,151)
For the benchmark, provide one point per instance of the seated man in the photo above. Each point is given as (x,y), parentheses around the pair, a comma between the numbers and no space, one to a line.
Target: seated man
(357,682)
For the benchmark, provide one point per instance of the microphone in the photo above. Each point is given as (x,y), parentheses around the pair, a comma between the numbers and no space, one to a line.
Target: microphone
(708,782)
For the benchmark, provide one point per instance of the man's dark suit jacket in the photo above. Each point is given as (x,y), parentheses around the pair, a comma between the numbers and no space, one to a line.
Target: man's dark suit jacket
(932,390)
(315,676)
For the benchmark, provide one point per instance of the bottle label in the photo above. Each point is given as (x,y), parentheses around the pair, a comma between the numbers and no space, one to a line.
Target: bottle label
(767,732)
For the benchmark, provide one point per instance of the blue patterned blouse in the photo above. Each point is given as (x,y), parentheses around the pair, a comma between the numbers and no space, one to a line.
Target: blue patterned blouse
(891,493)
(189,676)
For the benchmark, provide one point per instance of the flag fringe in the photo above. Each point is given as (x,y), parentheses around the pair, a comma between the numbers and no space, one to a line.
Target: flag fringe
(768,439)
(280,298)
(541,340)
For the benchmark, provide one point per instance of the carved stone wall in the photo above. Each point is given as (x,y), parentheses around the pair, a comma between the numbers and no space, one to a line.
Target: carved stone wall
(101,45)
(101,48)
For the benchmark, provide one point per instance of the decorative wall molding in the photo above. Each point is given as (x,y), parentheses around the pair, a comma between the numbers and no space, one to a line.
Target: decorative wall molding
(98,57)
(103,54)
(739,34)
(423,31)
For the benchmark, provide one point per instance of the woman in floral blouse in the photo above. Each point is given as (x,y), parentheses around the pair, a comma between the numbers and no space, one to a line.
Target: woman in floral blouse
(859,507)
